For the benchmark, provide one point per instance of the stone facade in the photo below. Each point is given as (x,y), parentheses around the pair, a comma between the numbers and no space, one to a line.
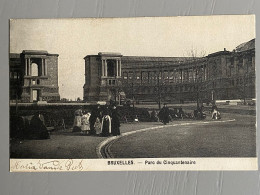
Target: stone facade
(103,77)
(223,75)
(34,76)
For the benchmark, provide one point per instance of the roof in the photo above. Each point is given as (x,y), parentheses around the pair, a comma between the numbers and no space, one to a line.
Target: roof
(109,54)
(246,46)
(156,59)
(38,52)
(14,55)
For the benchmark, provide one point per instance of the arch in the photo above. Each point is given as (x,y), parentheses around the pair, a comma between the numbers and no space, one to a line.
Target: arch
(35,69)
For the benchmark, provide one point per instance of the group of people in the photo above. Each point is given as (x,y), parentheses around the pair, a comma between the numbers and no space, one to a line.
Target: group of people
(103,121)
(165,115)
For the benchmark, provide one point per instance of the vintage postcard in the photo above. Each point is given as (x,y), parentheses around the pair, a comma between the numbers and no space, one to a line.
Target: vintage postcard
(122,94)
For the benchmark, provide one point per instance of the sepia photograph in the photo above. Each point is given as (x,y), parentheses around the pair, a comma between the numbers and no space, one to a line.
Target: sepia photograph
(145,93)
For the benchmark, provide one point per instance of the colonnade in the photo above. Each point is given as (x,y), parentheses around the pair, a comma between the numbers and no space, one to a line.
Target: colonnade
(180,74)
(104,68)
(28,67)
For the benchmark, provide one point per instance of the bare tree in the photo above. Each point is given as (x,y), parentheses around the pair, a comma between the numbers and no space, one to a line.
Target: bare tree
(195,54)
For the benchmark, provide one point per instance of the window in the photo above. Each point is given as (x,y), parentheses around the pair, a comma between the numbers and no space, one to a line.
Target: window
(138,75)
(125,75)
(130,75)
(232,60)
(144,76)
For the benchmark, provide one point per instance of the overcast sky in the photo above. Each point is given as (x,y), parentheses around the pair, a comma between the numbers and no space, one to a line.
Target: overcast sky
(73,39)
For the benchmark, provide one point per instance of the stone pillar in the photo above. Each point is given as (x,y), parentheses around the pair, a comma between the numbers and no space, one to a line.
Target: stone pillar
(235,65)
(42,68)
(45,67)
(205,73)
(245,66)
(181,75)
(105,68)
(120,67)
(117,70)
(30,68)
(188,78)
(102,68)
(26,64)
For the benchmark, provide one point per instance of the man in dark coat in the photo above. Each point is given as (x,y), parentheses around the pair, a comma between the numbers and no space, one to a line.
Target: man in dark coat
(95,113)
(115,123)
(164,114)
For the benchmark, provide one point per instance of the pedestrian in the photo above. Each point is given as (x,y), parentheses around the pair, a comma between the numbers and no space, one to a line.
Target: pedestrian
(95,114)
(154,116)
(106,122)
(77,120)
(85,127)
(181,113)
(215,113)
(115,122)
(37,128)
(164,114)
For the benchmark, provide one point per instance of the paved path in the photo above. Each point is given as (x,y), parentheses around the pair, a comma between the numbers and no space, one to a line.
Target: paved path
(225,138)
(65,145)
(158,139)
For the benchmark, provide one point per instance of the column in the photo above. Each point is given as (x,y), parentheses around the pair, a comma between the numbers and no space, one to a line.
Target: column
(102,68)
(30,68)
(25,70)
(42,68)
(117,70)
(45,67)
(105,68)
(120,67)
(181,75)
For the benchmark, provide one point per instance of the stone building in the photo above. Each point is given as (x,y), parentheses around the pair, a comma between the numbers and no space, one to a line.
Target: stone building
(223,75)
(34,76)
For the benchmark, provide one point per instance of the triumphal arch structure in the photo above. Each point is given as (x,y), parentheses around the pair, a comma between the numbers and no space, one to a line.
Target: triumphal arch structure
(103,77)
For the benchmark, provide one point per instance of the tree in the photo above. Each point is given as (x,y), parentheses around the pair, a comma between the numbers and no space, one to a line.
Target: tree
(196,54)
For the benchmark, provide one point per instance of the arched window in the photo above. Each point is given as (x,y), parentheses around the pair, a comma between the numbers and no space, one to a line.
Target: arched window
(35,69)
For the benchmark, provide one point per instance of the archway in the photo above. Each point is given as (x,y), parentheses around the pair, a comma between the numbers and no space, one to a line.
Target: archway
(35,69)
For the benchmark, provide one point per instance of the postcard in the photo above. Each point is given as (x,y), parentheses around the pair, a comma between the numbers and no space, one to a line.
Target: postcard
(133,94)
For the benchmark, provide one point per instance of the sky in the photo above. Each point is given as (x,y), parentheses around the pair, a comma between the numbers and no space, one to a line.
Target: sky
(73,39)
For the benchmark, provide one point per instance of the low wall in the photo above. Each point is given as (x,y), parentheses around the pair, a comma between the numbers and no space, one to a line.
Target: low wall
(56,114)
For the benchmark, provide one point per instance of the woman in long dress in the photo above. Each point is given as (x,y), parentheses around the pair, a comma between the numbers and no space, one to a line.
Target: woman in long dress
(77,120)
(106,122)
(85,128)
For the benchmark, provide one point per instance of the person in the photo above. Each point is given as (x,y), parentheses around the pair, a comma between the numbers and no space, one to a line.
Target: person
(94,116)
(37,127)
(181,113)
(215,113)
(164,114)
(154,116)
(214,107)
(175,113)
(199,113)
(115,123)
(77,120)
(85,123)
(136,119)
(97,126)
(106,122)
